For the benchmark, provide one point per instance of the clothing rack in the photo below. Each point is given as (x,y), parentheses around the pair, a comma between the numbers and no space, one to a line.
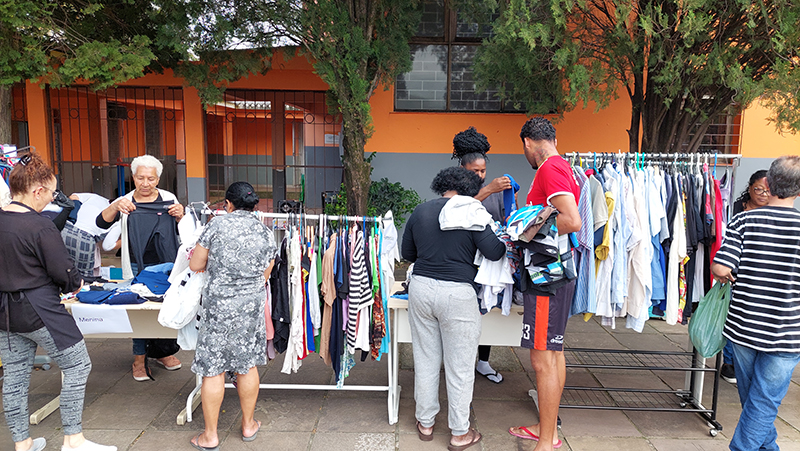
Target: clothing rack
(298,216)
(193,400)
(689,399)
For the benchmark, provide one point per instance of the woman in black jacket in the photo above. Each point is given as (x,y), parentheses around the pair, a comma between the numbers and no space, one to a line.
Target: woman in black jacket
(34,270)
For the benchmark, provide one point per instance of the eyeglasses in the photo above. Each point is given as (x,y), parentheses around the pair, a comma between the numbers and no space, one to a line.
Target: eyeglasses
(760,191)
(24,160)
(55,192)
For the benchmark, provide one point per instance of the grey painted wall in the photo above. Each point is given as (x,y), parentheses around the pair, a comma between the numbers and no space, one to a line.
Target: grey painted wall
(416,171)
(196,188)
(748,166)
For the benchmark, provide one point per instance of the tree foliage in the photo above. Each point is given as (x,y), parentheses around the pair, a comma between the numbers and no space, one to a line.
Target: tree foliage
(383,196)
(682,63)
(357,46)
(59,42)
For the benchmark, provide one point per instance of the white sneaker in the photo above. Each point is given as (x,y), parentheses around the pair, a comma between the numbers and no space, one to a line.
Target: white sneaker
(38,444)
(90,446)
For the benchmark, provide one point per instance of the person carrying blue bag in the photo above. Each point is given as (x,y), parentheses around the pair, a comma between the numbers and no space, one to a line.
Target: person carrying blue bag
(761,257)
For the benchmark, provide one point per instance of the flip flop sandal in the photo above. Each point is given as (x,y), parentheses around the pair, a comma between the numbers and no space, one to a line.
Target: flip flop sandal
(473,441)
(488,376)
(197,445)
(424,437)
(530,436)
(255,434)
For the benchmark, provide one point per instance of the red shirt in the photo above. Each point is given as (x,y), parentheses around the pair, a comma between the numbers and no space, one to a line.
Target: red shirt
(553,178)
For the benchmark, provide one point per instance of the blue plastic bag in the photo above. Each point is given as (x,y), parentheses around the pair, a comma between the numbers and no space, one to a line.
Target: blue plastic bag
(707,322)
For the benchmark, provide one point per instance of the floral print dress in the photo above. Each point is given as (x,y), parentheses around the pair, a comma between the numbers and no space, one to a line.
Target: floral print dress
(232,334)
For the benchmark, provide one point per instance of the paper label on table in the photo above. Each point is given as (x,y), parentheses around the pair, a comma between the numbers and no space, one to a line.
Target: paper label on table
(101,319)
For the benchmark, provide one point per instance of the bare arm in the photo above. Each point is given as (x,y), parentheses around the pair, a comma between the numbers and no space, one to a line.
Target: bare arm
(121,205)
(268,271)
(199,258)
(497,185)
(569,218)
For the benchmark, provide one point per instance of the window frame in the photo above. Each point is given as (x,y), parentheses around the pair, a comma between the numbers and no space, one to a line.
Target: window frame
(449,39)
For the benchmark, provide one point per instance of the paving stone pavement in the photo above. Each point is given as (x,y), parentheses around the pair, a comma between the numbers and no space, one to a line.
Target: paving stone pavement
(140,416)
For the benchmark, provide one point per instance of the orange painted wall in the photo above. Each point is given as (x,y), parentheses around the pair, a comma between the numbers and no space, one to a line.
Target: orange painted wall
(38,125)
(761,140)
(581,130)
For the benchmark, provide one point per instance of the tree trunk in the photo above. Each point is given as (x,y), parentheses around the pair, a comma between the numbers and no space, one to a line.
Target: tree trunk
(637,99)
(356,169)
(5,114)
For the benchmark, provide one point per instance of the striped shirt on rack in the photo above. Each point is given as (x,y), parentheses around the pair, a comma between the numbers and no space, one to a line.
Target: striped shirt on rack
(762,247)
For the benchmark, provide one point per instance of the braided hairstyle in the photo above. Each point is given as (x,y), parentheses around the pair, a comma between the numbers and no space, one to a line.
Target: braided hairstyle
(469,146)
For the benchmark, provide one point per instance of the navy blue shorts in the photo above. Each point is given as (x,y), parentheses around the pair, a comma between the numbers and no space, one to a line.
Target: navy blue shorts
(545,319)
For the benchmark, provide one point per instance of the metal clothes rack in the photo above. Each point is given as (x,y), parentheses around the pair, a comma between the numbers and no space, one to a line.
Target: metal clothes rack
(193,400)
(690,398)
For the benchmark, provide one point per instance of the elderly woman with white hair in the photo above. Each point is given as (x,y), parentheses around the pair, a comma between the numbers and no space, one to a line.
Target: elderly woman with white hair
(146,247)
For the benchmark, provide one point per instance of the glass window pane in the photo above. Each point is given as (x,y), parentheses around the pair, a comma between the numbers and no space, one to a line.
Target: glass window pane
(466,29)
(462,83)
(432,23)
(425,87)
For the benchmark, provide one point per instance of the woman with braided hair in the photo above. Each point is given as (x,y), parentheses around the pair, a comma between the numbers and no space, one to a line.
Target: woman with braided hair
(470,148)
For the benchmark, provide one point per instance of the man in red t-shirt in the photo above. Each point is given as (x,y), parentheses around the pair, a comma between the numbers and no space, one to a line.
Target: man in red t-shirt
(545,317)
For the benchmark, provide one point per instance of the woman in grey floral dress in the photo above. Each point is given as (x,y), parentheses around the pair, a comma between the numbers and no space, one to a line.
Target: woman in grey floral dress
(237,252)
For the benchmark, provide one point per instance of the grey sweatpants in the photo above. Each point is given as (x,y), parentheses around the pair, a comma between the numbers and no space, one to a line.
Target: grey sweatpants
(17,366)
(445,325)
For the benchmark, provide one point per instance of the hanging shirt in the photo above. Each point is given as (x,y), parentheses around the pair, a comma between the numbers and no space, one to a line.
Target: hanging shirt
(360,289)
(605,254)
(585,300)
(640,288)
(296,347)
(657,213)
(677,253)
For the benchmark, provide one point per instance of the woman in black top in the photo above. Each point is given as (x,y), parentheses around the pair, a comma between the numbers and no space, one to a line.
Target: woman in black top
(443,304)
(34,270)
(756,195)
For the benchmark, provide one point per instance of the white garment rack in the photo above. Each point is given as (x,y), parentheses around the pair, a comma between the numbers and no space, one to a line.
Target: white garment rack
(391,388)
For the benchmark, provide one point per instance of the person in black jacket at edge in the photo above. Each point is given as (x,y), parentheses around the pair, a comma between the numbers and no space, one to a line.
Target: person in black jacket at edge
(146,171)
(34,269)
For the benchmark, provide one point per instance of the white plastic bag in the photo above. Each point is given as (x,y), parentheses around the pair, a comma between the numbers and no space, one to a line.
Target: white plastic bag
(187,336)
(182,300)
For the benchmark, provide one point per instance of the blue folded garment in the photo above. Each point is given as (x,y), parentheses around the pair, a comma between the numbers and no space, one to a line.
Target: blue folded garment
(157,282)
(109,297)
(93,297)
(124,297)
(164,268)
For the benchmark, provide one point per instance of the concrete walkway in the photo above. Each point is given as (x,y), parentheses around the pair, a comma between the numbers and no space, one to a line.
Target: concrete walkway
(140,416)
